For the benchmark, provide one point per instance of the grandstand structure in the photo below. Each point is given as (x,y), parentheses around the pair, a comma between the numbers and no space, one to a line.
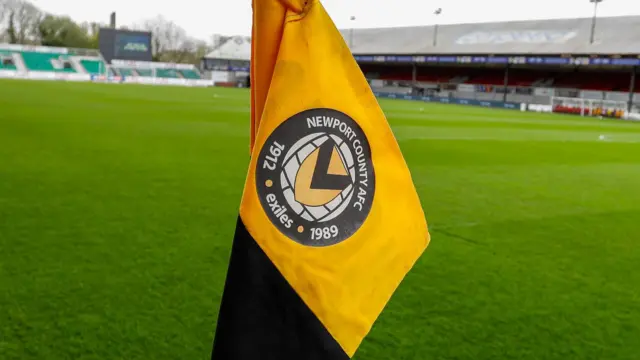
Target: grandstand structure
(228,63)
(41,62)
(549,64)
(51,60)
(521,62)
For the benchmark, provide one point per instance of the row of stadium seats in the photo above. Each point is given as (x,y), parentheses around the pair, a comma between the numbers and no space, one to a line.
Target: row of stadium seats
(6,61)
(479,76)
(594,81)
(51,62)
(591,80)
(161,73)
(516,77)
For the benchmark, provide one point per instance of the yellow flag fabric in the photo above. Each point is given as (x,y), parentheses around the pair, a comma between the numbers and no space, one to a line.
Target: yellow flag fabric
(328,197)
(268,20)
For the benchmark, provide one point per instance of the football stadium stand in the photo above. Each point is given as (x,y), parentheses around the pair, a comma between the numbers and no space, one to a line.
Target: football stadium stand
(155,69)
(41,62)
(530,62)
(535,63)
(228,63)
(50,59)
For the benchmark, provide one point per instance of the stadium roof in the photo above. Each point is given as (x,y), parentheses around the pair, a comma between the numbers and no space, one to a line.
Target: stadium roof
(236,48)
(614,35)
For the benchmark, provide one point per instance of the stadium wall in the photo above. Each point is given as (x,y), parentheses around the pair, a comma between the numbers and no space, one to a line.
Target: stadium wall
(55,76)
(524,107)
(457,101)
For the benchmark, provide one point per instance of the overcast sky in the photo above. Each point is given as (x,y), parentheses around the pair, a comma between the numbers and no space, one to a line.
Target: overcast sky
(202,18)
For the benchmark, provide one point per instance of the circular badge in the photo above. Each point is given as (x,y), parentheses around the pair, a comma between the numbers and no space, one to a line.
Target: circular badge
(315,178)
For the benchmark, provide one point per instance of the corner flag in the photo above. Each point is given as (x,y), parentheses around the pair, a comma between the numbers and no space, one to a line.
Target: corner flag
(330,221)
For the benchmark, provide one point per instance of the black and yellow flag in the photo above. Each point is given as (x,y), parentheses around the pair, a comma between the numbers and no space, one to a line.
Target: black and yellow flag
(330,221)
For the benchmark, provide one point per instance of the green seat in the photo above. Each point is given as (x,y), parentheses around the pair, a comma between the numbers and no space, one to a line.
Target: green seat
(4,53)
(125,71)
(161,73)
(35,61)
(144,72)
(167,73)
(94,66)
(7,67)
(190,74)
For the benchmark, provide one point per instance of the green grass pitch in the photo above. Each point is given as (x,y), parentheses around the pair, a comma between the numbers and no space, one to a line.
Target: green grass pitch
(118,205)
